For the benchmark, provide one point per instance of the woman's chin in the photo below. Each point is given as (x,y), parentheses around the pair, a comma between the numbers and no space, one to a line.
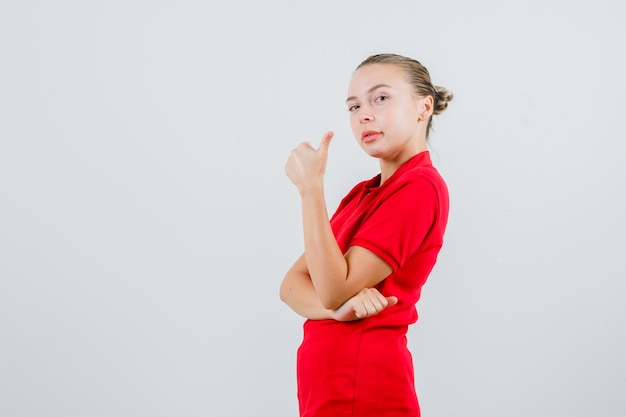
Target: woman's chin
(372,151)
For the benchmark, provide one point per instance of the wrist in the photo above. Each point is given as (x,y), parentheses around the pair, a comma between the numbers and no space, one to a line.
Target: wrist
(311,188)
(344,313)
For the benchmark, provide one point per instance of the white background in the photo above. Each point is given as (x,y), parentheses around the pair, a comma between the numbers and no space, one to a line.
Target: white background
(146,221)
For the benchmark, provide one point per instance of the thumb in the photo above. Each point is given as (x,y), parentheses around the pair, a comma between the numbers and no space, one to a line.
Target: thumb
(392,301)
(325,142)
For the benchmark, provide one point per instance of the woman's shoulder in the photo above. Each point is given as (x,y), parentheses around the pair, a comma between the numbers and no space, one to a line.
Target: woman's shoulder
(424,173)
(417,170)
(418,177)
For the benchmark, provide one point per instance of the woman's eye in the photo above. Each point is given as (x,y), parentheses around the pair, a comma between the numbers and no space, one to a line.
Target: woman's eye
(353,108)
(381,98)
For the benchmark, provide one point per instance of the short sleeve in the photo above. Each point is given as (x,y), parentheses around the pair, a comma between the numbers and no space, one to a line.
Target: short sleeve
(398,226)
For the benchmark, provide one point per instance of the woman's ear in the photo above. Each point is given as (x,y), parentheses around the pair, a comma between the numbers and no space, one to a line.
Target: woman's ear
(425,108)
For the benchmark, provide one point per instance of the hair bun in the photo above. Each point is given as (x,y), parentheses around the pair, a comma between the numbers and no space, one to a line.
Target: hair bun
(444,96)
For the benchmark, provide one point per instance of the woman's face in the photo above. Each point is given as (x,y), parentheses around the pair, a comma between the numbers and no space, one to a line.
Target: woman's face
(386,115)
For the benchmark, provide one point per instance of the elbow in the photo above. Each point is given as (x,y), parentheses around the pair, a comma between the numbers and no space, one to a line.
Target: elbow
(286,292)
(282,293)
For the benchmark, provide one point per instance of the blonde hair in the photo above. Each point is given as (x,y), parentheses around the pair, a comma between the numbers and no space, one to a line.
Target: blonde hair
(419,77)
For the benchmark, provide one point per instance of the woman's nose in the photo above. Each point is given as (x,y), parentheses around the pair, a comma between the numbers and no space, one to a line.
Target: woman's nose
(365,115)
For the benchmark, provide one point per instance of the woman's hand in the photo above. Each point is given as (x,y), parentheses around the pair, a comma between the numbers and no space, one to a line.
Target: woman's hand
(306,166)
(368,302)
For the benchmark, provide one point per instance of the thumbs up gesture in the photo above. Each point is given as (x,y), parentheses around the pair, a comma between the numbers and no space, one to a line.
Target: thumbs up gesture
(306,165)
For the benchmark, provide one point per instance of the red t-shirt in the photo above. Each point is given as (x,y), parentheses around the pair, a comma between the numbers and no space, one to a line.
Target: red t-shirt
(363,368)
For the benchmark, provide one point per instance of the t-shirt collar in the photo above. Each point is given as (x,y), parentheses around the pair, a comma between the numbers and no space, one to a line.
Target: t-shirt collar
(420,159)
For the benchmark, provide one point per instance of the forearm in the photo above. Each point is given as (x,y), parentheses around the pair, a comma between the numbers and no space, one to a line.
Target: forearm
(326,263)
(335,277)
(298,293)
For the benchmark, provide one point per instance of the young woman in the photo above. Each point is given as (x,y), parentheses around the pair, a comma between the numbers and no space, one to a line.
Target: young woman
(362,271)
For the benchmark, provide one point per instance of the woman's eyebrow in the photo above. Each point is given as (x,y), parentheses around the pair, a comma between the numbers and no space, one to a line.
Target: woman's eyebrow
(370,90)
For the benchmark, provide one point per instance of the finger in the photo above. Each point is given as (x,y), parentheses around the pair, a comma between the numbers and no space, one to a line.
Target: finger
(359,312)
(392,300)
(374,305)
(368,308)
(325,142)
(359,308)
(354,306)
(379,304)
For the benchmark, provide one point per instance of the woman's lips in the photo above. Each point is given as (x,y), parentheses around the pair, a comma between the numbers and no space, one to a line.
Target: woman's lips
(370,136)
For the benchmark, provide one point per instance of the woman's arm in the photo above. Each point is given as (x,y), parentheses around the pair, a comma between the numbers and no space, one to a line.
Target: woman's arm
(335,277)
(297,292)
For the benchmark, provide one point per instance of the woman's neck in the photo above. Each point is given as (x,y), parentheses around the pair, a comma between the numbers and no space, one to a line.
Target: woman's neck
(389,166)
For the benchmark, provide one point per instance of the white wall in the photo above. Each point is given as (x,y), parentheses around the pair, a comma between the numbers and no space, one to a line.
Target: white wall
(146,222)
